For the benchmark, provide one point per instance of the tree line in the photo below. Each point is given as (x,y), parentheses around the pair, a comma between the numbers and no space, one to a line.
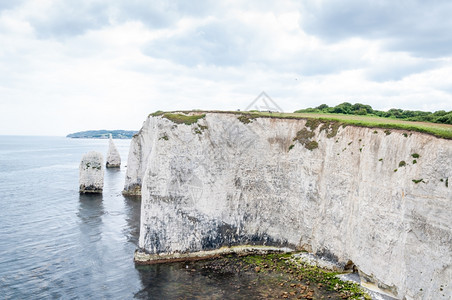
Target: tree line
(347,108)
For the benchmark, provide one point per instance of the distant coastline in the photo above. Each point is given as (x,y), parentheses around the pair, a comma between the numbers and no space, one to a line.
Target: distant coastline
(102,134)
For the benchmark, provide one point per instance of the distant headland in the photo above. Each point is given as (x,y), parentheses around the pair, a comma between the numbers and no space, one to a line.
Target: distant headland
(102,134)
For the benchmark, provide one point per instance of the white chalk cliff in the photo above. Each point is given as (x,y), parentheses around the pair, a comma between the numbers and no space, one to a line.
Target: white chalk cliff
(382,200)
(91,173)
(113,157)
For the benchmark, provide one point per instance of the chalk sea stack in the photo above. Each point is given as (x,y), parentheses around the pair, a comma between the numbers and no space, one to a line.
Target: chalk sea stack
(92,173)
(113,158)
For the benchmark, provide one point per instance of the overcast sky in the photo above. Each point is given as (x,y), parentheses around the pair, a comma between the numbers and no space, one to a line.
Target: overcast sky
(68,66)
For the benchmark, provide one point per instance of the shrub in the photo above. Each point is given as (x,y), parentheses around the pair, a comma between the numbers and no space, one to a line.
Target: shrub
(183,119)
(157,113)
(311,145)
(245,119)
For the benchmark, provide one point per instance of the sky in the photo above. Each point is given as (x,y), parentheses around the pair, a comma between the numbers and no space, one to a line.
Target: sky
(68,66)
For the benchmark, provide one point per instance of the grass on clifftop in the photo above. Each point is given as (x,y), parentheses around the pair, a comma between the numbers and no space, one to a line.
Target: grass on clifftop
(183,119)
(438,130)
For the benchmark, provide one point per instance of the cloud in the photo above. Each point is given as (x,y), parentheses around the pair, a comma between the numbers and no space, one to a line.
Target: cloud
(259,39)
(69,66)
(215,43)
(160,13)
(9,4)
(394,66)
(419,27)
(63,19)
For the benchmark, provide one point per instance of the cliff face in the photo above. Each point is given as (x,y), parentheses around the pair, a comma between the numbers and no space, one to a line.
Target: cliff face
(382,200)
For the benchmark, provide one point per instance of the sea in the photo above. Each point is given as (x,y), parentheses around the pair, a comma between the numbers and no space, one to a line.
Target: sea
(58,244)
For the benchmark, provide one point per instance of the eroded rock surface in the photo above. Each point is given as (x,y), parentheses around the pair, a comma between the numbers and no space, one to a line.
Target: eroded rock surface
(91,173)
(341,192)
(113,157)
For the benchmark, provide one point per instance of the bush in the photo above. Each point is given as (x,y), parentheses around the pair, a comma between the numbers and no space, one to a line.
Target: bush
(347,108)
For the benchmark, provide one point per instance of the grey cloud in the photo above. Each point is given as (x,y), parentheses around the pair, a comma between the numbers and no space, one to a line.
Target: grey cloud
(155,14)
(419,27)
(70,18)
(163,13)
(324,62)
(215,43)
(395,72)
(9,4)
(226,43)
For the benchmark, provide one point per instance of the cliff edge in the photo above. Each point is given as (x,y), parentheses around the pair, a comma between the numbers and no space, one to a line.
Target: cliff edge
(379,198)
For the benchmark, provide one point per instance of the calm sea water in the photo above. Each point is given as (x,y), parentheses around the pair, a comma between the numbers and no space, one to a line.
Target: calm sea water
(57,244)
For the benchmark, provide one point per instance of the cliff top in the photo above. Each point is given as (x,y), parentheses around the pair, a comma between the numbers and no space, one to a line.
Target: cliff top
(438,130)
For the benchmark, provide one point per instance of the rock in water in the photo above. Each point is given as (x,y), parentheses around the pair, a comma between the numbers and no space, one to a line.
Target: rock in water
(91,173)
(113,158)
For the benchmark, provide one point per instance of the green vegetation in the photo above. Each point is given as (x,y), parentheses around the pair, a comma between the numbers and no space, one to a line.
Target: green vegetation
(402,164)
(102,134)
(157,113)
(183,119)
(415,155)
(291,146)
(381,159)
(331,128)
(302,278)
(347,108)
(245,119)
(164,137)
(95,166)
(418,180)
(200,129)
(414,161)
(312,124)
(369,121)
(304,137)
(311,145)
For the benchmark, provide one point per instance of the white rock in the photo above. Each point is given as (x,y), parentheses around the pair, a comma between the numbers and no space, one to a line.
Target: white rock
(113,157)
(237,184)
(91,173)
